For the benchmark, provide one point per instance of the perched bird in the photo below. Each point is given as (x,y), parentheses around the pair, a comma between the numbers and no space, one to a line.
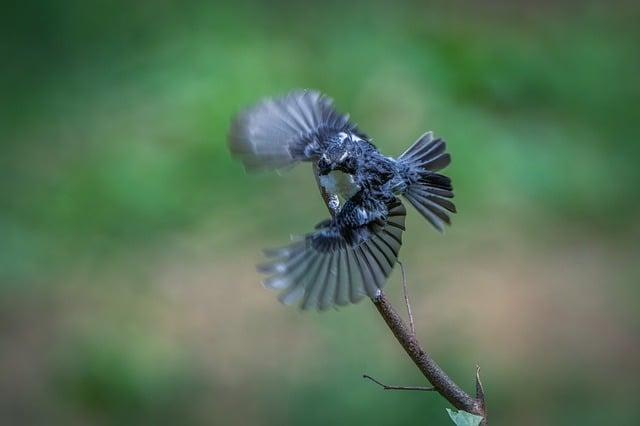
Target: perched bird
(350,255)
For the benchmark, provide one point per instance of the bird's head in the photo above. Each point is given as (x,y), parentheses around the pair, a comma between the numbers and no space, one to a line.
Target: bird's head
(337,156)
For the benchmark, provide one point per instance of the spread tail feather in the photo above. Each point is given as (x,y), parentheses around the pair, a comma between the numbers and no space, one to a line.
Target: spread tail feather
(429,192)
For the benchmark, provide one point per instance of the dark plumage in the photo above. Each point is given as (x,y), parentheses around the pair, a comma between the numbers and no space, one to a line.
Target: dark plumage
(350,255)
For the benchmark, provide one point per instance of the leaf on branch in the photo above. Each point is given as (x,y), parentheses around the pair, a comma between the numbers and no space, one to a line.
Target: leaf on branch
(462,418)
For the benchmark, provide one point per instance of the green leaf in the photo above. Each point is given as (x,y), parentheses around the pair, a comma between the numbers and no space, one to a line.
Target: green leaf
(462,418)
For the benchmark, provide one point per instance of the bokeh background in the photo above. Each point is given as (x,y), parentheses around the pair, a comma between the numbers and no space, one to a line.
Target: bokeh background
(128,236)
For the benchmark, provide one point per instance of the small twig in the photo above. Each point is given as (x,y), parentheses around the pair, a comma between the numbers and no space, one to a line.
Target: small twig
(406,298)
(405,388)
(480,390)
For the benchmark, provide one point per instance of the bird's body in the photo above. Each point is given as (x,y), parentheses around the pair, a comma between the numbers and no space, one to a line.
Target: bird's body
(351,254)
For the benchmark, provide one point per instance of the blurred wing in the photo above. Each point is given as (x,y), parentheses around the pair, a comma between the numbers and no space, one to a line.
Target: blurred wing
(278,132)
(324,269)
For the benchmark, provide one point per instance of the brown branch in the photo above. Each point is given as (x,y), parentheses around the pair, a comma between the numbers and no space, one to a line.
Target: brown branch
(432,371)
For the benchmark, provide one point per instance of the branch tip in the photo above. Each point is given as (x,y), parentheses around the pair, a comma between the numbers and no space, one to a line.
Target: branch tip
(479,388)
(393,387)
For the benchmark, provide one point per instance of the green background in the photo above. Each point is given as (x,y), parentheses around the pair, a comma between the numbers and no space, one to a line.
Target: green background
(128,236)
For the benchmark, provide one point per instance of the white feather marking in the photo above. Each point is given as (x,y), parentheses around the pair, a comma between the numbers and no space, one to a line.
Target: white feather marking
(341,184)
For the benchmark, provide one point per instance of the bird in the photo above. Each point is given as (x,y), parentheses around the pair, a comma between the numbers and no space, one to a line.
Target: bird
(350,255)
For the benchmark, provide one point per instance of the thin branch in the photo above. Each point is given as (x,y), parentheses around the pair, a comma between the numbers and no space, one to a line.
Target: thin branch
(406,298)
(480,391)
(441,382)
(393,387)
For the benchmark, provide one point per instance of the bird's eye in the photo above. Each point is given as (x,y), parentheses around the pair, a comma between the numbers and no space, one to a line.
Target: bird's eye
(323,163)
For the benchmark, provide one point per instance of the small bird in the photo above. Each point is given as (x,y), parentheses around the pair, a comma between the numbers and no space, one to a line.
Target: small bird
(350,255)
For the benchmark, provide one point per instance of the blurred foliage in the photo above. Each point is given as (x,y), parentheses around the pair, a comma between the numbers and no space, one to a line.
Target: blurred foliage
(127,382)
(113,127)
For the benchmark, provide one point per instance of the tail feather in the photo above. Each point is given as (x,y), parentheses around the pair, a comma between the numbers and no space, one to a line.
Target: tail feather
(425,146)
(430,192)
(441,201)
(436,180)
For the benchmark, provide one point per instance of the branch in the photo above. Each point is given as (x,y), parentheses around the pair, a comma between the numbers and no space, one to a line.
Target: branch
(432,371)
(391,387)
(406,298)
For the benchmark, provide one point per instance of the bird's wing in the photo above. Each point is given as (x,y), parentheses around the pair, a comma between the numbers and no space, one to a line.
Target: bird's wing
(278,132)
(325,269)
